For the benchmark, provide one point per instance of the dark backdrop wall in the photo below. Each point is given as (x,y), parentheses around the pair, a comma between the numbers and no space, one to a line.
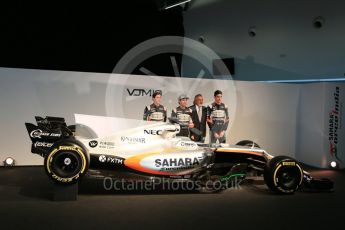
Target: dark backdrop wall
(84,36)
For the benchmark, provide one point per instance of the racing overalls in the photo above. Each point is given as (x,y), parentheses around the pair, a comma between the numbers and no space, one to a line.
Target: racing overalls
(155,113)
(219,115)
(184,116)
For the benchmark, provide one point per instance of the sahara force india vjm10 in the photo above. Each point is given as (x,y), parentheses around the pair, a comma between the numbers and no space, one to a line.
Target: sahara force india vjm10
(154,151)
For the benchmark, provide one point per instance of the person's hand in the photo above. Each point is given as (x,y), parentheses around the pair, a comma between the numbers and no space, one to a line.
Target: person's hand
(209,120)
(216,135)
(149,118)
(221,134)
(191,125)
(227,120)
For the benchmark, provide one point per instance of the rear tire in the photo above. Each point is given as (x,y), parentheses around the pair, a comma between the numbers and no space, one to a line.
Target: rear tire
(67,162)
(283,175)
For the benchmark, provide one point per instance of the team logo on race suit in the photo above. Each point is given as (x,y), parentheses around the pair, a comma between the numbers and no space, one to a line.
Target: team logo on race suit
(93,144)
(218,113)
(38,133)
(157,116)
(183,117)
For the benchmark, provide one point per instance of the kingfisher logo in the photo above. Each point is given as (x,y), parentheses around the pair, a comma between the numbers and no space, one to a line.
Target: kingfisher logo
(334,124)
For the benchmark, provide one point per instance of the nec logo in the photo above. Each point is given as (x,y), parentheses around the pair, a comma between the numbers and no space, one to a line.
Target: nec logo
(141,92)
(93,144)
(153,132)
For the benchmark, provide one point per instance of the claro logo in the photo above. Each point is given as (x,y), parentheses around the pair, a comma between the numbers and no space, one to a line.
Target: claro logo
(141,92)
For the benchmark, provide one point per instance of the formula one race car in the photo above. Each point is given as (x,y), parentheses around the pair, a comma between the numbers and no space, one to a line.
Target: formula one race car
(154,151)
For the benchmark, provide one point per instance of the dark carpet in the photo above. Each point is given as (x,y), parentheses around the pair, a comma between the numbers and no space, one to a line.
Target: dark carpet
(25,202)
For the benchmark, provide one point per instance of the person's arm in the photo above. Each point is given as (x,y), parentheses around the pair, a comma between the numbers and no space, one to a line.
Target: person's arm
(146,113)
(194,114)
(165,114)
(208,116)
(173,113)
(226,122)
(191,124)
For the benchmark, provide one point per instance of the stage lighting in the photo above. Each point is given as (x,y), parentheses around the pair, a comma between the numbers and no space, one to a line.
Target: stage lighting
(334,164)
(252,31)
(9,161)
(174,4)
(318,22)
(201,39)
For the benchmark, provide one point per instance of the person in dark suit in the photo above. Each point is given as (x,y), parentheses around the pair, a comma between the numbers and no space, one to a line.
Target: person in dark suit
(199,117)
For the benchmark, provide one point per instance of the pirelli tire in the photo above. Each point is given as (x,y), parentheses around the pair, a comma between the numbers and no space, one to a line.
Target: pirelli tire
(67,162)
(283,175)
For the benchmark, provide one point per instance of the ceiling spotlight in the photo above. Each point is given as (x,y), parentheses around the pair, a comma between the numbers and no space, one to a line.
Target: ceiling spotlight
(9,161)
(333,164)
(201,39)
(252,31)
(318,22)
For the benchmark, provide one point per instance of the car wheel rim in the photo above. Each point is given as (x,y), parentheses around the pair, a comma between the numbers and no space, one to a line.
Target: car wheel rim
(289,177)
(66,164)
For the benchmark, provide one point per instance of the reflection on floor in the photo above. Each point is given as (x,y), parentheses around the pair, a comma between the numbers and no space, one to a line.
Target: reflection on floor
(25,201)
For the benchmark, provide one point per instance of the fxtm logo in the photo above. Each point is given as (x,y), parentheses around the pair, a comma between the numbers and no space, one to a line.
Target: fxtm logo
(141,92)
(153,132)
(109,159)
(93,144)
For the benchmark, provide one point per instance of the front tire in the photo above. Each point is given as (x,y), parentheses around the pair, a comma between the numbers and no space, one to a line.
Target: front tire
(283,175)
(67,162)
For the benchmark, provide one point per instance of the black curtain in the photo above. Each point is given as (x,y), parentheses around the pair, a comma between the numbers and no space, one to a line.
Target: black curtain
(88,37)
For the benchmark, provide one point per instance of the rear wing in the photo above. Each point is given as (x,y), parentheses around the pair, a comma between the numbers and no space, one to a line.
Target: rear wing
(46,133)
